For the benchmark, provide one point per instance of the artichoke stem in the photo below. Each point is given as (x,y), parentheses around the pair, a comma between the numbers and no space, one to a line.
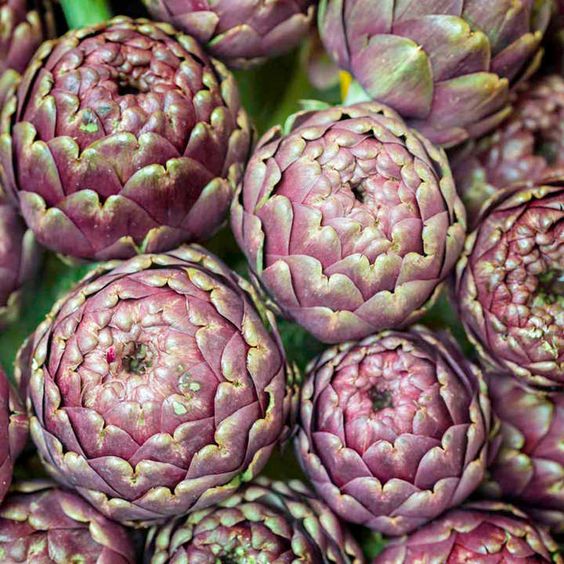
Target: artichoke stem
(81,13)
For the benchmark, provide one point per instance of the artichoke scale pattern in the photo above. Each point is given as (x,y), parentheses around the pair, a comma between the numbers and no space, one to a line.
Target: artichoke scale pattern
(242,33)
(509,283)
(42,523)
(123,138)
(394,429)
(477,532)
(157,387)
(264,522)
(527,147)
(349,219)
(13,432)
(529,466)
(446,67)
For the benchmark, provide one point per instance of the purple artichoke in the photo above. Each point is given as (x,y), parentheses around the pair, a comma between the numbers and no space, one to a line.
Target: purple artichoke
(528,147)
(157,387)
(529,467)
(349,219)
(13,432)
(19,259)
(394,430)
(446,67)
(239,32)
(123,138)
(479,533)
(509,284)
(42,524)
(24,24)
(264,522)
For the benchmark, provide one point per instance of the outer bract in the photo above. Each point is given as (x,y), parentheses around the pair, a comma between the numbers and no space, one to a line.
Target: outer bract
(528,147)
(122,138)
(479,532)
(13,432)
(394,429)
(239,32)
(509,284)
(444,66)
(349,219)
(265,522)
(19,259)
(43,524)
(156,387)
(24,24)
(529,467)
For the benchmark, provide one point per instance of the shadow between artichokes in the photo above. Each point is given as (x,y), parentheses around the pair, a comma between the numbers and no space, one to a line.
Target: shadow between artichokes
(158,386)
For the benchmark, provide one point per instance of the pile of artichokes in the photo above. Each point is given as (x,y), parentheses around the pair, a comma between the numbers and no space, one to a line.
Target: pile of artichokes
(281,281)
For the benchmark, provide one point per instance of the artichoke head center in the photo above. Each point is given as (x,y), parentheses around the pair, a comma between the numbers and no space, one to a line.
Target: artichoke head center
(551,286)
(381,399)
(137,358)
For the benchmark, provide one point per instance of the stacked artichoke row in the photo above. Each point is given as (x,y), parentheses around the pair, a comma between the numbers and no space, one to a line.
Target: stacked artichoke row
(253,315)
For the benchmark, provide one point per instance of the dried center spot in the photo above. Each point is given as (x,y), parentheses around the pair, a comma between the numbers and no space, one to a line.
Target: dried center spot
(380,399)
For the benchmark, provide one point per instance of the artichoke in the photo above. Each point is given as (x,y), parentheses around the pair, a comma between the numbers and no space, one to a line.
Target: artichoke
(528,147)
(349,219)
(13,430)
(241,33)
(264,522)
(19,259)
(24,24)
(123,138)
(446,67)
(394,429)
(42,524)
(509,284)
(157,387)
(529,466)
(478,532)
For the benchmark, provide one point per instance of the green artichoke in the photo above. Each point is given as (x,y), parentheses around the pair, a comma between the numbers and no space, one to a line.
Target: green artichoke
(528,147)
(13,433)
(394,429)
(349,219)
(42,524)
(24,24)
(241,33)
(446,67)
(123,138)
(479,532)
(264,522)
(19,260)
(529,466)
(157,386)
(509,284)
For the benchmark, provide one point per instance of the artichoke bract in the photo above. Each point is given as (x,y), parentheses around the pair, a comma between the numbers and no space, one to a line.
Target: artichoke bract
(349,219)
(527,147)
(394,429)
(13,432)
(41,523)
(446,67)
(19,259)
(24,24)
(264,522)
(529,466)
(241,33)
(157,387)
(123,138)
(509,284)
(478,532)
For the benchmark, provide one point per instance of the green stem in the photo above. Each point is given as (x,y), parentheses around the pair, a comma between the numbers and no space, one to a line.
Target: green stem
(81,13)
